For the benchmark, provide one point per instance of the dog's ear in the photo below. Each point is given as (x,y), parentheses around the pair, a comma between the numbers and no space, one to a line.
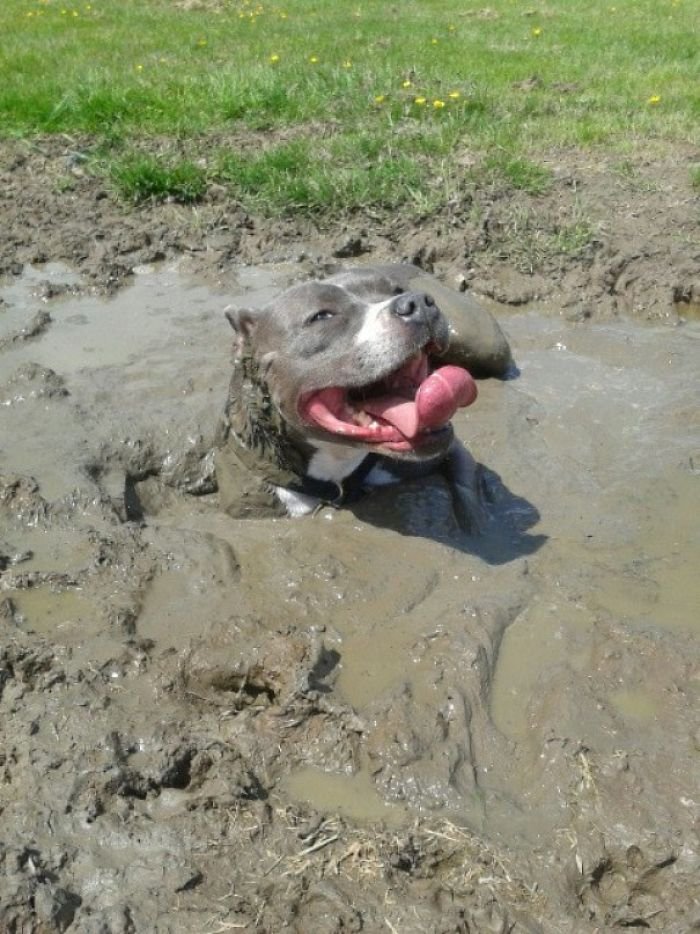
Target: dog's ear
(243,323)
(240,319)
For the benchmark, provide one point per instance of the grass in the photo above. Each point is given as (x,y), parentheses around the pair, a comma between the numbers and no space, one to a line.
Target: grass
(354,105)
(145,177)
(303,176)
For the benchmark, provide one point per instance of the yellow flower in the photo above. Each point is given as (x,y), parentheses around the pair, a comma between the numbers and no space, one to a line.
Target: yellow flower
(438,105)
(379,99)
(654,100)
(347,63)
(274,59)
(406,84)
(313,60)
(420,101)
(201,42)
(455,95)
(139,68)
(451,27)
(434,41)
(536,32)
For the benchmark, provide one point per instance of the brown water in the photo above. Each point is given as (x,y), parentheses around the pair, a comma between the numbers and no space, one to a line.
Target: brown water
(454,651)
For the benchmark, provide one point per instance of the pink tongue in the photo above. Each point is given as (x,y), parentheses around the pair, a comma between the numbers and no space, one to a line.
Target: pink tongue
(437,399)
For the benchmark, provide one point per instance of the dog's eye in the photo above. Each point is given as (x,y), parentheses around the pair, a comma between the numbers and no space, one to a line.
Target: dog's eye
(322,315)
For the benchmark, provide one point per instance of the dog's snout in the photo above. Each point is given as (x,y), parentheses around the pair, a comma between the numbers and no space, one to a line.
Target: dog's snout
(412,304)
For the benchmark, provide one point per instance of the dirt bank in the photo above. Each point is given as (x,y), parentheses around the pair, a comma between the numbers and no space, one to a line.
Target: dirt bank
(614,234)
(365,720)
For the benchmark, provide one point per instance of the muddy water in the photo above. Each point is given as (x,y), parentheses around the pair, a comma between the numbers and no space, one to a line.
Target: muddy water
(472,675)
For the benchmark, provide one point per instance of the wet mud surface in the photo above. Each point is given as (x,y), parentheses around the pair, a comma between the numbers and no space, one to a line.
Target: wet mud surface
(365,720)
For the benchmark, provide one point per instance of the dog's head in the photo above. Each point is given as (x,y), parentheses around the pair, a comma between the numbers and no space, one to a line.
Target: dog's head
(352,360)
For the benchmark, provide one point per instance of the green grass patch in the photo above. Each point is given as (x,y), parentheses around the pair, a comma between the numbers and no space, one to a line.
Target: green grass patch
(389,101)
(520,174)
(301,176)
(140,178)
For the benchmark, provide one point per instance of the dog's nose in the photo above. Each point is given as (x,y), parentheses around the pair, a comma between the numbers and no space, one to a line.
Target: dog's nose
(412,305)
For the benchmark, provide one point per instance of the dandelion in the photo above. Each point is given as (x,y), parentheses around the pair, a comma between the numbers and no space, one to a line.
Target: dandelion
(420,101)
(347,63)
(201,43)
(536,32)
(406,84)
(139,68)
(380,98)
(454,95)
(434,41)
(654,100)
(313,59)
(274,59)
(438,105)
(451,27)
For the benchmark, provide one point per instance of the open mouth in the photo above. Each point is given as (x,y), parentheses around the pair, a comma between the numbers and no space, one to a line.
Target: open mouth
(402,411)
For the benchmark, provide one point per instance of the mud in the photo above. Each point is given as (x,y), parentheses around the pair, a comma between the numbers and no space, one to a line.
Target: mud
(613,234)
(365,720)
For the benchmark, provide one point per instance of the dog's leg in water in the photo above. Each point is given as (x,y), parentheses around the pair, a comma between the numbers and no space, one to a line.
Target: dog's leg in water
(467,488)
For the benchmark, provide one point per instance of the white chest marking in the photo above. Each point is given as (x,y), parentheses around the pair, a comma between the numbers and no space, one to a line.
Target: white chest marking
(333,462)
(296,504)
(329,462)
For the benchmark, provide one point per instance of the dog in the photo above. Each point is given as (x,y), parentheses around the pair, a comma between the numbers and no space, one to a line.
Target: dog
(347,383)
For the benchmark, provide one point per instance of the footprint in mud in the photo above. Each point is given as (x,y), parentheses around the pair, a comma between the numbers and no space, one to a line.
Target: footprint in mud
(631,888)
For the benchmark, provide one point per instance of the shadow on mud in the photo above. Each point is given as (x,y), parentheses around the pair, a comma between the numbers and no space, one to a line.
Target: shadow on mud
(493,524)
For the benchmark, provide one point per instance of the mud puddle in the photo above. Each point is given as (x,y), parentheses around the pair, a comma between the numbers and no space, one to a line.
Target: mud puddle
(270,723)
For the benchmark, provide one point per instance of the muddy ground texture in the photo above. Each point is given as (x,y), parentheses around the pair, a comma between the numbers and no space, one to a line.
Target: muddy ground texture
(613,234)
(144,772)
